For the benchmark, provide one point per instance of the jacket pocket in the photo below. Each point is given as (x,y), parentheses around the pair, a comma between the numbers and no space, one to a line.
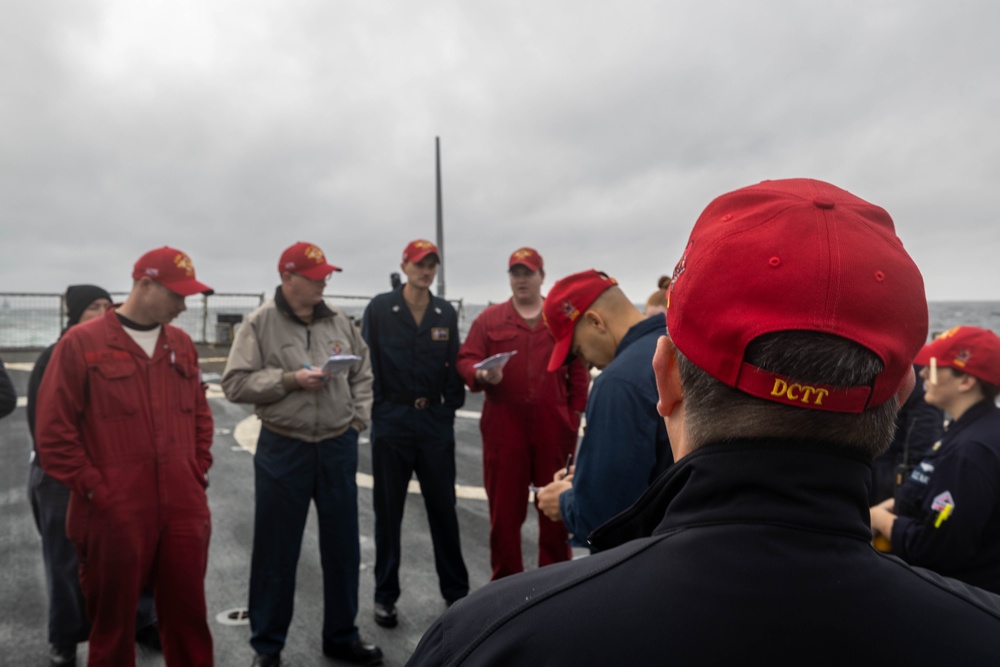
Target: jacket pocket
(113,390)
(502,335)
(77,521)
(201,477)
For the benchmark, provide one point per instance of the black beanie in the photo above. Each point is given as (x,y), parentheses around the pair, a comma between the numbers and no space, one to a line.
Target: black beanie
(78,297)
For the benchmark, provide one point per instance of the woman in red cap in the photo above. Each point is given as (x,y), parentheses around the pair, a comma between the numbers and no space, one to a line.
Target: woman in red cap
(947,515)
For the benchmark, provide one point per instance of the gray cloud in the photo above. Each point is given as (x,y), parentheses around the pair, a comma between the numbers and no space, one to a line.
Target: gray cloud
(593,132)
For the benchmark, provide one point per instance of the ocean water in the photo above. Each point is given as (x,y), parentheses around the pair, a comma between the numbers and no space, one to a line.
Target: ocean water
(947,314)
(33,321)
(943,315)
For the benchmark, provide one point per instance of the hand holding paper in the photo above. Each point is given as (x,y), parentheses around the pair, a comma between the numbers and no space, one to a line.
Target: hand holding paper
(490,370)
(496,361)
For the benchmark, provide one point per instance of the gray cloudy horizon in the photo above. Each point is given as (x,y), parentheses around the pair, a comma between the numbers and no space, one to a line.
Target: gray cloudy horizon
(594,132)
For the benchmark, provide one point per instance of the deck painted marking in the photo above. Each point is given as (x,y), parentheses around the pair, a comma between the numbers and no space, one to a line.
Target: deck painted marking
(248,430)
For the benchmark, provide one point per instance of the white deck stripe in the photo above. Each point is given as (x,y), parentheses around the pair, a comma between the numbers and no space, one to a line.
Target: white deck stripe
(248,430)
(26,366)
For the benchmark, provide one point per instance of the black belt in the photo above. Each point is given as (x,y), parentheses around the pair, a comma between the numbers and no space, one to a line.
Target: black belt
(418,402)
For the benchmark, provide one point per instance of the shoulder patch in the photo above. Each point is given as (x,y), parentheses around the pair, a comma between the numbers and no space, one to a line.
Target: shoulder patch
(942,500)
(943,504)
(921,474)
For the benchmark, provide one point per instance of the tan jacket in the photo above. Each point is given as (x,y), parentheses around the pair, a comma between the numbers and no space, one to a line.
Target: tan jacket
(272,345)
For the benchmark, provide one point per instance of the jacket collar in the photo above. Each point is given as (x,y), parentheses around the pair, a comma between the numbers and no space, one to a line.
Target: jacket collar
(971,416)
(640,329)
(511,314)
(320,310)
(399,307)
(802,484)
(118,338)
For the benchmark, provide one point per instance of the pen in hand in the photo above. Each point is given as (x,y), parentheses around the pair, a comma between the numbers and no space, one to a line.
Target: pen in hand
(569,462)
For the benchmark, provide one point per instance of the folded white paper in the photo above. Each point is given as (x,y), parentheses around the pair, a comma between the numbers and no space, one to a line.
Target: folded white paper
(496,361)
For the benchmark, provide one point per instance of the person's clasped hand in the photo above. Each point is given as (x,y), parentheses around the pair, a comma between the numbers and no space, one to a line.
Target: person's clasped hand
(310,379)
(491,376)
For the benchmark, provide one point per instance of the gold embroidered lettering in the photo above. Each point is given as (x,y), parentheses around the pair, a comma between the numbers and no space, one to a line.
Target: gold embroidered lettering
(780,387)
(799,392)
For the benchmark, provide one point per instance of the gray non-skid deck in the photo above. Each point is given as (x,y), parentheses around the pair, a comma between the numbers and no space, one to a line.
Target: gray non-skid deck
(22,584)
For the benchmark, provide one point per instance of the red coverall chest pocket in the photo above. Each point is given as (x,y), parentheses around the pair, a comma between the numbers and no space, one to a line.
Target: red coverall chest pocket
(502,334)
(113,390)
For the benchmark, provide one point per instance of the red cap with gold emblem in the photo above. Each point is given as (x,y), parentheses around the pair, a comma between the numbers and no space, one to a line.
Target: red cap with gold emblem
(569,298)
(172,269)
(804,255)
(966,349)
(306,260)
(527,257)
(419,249)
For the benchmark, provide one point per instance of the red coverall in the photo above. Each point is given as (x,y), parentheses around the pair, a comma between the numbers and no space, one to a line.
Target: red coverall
(529,426)
(130,436)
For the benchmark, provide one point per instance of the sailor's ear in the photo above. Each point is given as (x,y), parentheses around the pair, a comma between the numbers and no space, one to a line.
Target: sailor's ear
(668,376)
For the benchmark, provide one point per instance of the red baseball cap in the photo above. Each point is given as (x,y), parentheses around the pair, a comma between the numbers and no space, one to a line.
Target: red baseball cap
(568,299)
(306,260)
(527,257)
(797,254)
(967,349)
(172,269)
(419,249)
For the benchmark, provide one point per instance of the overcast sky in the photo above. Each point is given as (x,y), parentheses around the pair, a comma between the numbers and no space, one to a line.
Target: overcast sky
(593,131)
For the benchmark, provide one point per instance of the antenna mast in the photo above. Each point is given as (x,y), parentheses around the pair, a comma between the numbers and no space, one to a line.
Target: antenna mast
(440,220)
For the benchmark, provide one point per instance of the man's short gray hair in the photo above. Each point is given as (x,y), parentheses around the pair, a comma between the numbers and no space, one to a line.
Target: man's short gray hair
(715,412)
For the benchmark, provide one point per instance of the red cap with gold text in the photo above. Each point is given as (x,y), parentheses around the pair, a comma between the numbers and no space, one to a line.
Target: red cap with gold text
(172,269)
(417,250)
(569,298)
(797,254)
(966,349)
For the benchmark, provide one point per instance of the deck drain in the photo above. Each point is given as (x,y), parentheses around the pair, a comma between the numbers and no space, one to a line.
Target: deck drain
(238,616)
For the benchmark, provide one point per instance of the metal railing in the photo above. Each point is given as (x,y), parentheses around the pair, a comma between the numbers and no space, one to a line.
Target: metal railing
(33,320)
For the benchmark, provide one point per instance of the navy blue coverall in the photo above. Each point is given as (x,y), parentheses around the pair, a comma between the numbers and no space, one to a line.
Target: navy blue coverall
(416,392)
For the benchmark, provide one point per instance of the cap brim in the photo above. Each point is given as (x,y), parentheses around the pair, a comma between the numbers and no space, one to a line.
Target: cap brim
(419,257)
(560,352)
(189,287)
(319,272)
(931,349)
(525,265)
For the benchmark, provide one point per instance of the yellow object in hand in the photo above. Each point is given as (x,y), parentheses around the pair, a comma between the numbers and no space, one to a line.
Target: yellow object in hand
(882,543)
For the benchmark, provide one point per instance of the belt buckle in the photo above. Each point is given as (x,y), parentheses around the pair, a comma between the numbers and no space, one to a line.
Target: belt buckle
(422,403)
